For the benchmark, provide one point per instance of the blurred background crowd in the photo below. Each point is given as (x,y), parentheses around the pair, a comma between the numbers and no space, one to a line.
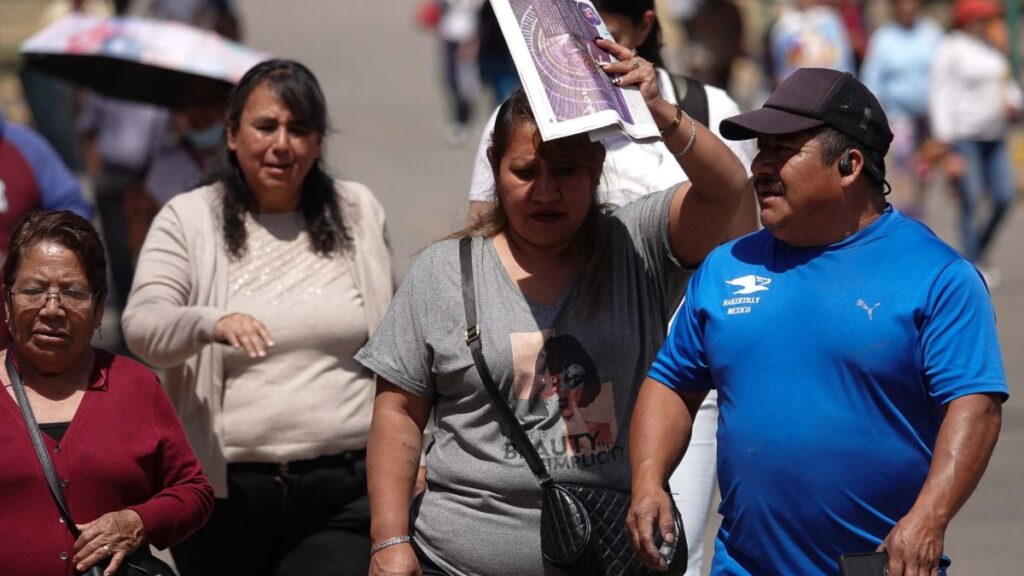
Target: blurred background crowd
(945,72)
(128,157)
(953,118)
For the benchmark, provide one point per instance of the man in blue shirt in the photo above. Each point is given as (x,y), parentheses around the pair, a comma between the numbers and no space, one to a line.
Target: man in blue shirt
(32,177)
(855,356)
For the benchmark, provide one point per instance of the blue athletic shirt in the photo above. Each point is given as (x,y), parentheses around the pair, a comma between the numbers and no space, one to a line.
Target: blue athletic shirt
(832,366)
(33,177)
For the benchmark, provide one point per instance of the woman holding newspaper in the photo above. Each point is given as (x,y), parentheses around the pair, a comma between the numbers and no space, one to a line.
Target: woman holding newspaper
(633,170)
(547,265)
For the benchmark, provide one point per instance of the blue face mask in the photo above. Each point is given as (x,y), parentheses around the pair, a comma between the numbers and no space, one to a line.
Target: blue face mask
(206,138)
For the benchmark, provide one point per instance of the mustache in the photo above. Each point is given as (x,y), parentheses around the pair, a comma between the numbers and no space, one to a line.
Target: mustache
(769,184)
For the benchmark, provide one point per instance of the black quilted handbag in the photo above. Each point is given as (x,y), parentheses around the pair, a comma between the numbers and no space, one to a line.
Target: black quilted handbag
(583,528)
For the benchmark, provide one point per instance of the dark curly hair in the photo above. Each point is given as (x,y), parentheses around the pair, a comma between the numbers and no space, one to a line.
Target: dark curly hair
(66,229)
(298,88)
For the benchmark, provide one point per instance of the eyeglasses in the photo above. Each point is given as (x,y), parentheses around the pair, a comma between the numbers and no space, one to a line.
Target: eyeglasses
(38,297)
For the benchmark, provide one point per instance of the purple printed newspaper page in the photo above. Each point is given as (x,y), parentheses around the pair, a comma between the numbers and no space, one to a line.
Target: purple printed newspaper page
(552,44)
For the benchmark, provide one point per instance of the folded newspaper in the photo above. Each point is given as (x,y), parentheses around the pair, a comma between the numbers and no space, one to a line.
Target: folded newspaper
(552,44)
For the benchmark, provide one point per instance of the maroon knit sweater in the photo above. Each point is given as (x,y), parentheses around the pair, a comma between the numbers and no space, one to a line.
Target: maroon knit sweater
(123,449)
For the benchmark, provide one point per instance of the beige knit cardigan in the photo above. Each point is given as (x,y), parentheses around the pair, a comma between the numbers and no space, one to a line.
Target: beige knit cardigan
(180,291)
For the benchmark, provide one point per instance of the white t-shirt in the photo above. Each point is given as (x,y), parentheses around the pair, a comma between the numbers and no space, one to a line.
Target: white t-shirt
(631,169)
(972,90)
(459,20)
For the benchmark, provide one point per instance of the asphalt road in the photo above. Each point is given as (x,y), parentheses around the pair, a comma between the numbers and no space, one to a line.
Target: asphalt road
(381,77)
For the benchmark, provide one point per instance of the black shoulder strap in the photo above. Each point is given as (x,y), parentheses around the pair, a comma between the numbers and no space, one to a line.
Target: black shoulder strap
(37,442)
(692,96)
(519,438)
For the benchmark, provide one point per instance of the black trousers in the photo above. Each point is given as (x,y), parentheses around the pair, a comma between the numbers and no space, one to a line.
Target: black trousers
(308,518)
(462,108)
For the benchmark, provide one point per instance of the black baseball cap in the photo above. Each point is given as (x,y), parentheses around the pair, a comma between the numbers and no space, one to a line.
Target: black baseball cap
(813,97)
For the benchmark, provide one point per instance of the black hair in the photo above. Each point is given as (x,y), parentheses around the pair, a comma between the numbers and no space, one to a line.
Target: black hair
(66,229)
(650,50)
(559,354)
(298,88)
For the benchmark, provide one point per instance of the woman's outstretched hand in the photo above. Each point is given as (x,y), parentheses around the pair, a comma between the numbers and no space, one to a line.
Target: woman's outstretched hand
(243,331)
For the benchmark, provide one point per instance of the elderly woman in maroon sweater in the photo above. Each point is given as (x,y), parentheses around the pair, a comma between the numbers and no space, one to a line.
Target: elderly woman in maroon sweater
(128,474)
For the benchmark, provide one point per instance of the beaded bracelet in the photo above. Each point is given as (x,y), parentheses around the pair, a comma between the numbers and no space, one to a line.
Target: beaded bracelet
(389,542)
(693,139)
(674,125)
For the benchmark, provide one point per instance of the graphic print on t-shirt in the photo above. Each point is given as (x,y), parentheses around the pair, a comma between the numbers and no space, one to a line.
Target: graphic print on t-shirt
(566,409)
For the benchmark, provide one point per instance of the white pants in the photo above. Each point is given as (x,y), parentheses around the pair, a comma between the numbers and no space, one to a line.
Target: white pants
(693,482)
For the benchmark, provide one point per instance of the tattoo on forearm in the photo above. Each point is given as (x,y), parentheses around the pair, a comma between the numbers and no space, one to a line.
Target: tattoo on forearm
(412,457)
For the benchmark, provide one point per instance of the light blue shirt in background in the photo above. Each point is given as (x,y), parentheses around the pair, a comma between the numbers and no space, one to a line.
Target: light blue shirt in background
(897,66)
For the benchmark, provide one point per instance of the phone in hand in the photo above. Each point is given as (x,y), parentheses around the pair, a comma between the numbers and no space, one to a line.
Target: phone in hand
(665,548)
(866,564)
(871,564)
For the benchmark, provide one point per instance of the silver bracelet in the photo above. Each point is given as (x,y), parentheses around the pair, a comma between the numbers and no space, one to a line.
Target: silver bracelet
(693,139)
(389,542)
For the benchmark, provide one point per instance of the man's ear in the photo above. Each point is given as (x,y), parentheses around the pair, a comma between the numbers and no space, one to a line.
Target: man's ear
(850,166)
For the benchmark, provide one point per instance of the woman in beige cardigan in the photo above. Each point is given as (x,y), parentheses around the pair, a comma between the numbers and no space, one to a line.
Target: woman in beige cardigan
(255,292)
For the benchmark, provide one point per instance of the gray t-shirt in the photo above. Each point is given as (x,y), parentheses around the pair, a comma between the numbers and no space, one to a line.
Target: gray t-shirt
(572,379)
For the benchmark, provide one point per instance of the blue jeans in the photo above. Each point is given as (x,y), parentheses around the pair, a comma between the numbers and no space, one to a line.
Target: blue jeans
(498,73)
(988,170)
(462,107)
